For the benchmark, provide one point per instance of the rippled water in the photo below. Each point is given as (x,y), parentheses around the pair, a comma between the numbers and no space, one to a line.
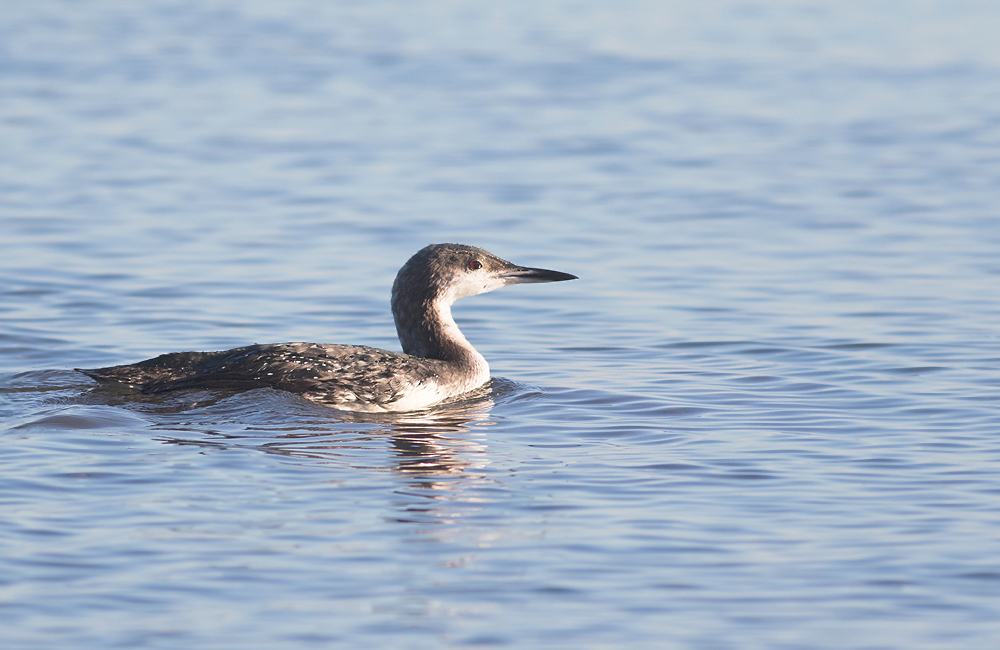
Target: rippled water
(766,416)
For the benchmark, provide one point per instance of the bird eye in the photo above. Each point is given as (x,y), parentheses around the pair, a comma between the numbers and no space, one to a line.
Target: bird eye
(475,265)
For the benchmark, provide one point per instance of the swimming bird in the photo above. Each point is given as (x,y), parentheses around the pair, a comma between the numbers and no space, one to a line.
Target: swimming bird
(437,361)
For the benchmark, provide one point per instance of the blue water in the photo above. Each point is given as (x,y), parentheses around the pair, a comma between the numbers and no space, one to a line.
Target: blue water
(766,416)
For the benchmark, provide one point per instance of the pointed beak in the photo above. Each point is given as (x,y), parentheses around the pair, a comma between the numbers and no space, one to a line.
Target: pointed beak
(523,274)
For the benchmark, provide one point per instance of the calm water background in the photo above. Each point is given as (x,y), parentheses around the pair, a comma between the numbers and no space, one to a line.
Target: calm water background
(766,416)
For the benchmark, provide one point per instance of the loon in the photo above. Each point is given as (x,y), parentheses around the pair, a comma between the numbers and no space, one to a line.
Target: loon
(437,361)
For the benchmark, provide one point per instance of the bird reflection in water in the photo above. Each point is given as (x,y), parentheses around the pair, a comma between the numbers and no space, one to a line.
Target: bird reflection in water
(432,447)
(439,455)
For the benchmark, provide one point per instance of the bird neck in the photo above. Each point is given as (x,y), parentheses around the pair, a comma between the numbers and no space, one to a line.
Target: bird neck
(428,330)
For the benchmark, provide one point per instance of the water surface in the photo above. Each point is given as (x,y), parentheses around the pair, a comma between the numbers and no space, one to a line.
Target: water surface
(766,415)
